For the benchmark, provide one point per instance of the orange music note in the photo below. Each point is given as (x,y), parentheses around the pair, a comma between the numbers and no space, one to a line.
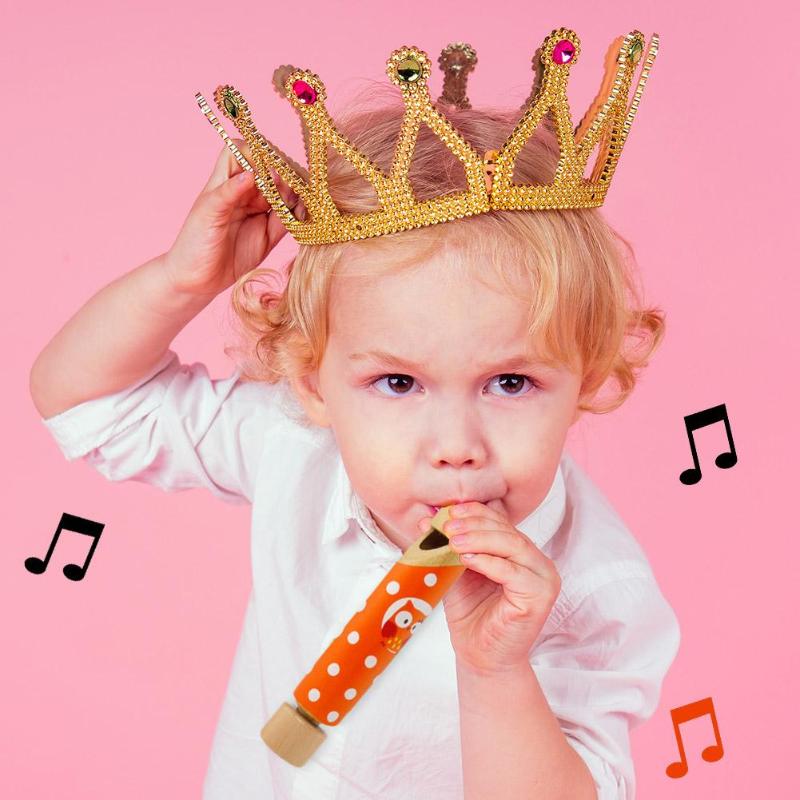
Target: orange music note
(683,714)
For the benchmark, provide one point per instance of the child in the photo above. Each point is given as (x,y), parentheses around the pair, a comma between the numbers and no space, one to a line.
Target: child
(501,328)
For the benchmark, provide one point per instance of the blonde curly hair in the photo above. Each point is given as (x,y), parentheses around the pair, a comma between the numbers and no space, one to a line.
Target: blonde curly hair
(574,272)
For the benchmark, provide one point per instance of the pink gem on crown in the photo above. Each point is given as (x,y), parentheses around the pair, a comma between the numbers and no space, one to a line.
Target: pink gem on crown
(305,94)
(563,52)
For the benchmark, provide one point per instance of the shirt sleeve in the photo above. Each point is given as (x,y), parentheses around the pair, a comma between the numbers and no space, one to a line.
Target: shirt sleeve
(602,671)
(175,428)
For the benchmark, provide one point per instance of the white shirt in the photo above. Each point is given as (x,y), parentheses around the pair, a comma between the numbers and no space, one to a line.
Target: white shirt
(317,554)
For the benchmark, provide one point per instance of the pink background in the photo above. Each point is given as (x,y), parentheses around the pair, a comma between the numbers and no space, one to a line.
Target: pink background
(112,686)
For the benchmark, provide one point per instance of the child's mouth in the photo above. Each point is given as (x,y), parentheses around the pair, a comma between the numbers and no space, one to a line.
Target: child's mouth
(434,509)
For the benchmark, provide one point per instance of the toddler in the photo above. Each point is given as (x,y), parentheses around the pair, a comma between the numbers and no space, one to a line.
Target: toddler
(388,376)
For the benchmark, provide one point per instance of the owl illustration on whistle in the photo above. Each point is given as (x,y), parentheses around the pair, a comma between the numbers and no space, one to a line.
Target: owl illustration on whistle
(400,621)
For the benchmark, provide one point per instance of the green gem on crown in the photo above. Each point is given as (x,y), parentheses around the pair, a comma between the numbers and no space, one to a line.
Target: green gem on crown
(635,52)
(230,106)
(409,70)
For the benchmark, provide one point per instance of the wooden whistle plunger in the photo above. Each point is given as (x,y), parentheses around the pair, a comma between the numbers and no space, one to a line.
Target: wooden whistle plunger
(367,643)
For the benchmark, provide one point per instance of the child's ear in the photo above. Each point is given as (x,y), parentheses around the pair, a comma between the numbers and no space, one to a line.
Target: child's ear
(306,388)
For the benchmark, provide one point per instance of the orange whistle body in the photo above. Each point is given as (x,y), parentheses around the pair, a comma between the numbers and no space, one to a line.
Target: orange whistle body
(374,635)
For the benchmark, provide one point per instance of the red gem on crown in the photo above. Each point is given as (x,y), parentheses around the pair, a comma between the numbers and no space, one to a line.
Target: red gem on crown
(304,93)
(563,52)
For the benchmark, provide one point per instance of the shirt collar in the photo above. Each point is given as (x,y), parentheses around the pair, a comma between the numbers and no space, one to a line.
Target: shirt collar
(347,507)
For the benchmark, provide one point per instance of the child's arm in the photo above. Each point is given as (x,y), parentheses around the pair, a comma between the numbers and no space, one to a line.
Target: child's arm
(118,336)
(511,742)
(598,675)
(111,391)
(126,328)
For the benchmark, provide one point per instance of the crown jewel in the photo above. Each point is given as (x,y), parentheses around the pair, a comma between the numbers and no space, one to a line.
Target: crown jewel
(489,175)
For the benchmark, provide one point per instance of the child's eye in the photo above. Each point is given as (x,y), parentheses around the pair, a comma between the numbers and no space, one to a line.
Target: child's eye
(403,382)
(392,376)
(516,383)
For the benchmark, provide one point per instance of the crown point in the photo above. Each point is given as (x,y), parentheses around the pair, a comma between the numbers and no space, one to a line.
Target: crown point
(563,52)
(304,92)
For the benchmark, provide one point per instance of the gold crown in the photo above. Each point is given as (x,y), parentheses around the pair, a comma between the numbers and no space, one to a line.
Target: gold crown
(489,176)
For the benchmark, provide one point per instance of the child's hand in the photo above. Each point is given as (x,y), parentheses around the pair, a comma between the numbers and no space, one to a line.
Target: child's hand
(498,606)
(229,229)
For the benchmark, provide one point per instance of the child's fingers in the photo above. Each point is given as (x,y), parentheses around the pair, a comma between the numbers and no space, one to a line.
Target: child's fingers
(226,165)
(217,205)
(223,192)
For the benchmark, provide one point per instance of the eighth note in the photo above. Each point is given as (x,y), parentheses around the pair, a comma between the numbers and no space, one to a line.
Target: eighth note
(72,523)
(683,714)
(699,420)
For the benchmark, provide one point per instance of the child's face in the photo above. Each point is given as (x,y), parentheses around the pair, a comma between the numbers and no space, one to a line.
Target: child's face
(458,425)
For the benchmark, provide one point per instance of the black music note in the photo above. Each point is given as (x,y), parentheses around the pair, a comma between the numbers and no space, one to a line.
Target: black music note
(72,523)
(714,752)
(699,420)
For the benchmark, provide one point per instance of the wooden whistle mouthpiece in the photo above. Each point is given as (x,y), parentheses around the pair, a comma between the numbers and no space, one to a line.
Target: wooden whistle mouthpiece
(367,643)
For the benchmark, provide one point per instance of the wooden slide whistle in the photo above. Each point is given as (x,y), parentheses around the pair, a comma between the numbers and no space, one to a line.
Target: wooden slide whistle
(374,635)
